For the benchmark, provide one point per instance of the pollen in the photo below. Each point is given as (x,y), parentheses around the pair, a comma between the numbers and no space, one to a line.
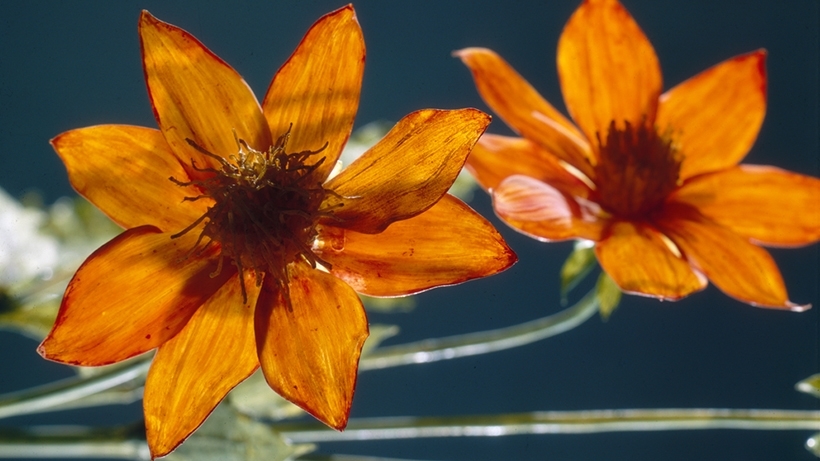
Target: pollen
(637,170)
(265,213)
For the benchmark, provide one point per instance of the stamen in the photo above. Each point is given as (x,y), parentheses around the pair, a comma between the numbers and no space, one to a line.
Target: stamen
(190,227)
(636,171)
(265,212)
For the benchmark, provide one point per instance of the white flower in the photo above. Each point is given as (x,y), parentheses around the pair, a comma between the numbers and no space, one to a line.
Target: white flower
(26,252)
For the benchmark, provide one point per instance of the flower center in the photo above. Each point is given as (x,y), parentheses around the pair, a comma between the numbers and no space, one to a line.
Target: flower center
(638,168)
(265,210)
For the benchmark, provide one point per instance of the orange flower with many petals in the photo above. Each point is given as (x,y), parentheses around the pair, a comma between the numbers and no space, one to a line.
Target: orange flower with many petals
(653,179)
(240,251)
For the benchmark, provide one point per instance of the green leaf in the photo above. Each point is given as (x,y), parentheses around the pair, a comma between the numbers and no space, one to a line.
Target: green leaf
(810,385)
(388,305)
(579,263)
(228,435)
(609,295)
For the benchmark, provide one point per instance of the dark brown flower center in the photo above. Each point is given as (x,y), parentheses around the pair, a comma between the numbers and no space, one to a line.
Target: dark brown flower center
(266,207)
(637,169)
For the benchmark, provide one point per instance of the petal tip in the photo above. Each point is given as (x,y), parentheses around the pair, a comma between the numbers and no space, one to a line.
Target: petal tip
(41,349)
(146,18)
(466,53)
(797,307)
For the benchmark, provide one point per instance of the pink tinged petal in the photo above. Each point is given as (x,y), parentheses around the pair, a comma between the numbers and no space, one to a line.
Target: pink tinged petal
(494,158)
(193,371)
(762,203)
(196,96)
(447,244)
(125,171)
(408,171)
(545,212)
(523,108)
(607,68)
(317,90)
(641,260)
(740,269)
(715,116)
(133,294)
(310,353)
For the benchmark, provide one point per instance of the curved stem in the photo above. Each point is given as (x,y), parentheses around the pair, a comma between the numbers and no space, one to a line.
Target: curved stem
(50,396)
(121,442)
(553,422)
(134,450)
(432,350)
(69,392)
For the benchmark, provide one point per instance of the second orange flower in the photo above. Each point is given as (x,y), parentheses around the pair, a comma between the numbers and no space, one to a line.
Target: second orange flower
(652,178)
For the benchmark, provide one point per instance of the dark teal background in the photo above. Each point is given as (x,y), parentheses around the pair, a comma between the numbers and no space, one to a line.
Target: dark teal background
(68,65)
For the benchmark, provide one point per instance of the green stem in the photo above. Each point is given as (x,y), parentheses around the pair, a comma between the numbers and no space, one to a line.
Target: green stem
(67,392)
(122,442)
(75,392)
(134,450)
(552,422)
(432,350)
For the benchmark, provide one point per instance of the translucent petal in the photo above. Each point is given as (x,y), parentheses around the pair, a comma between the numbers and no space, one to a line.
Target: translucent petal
(494,158)
(523,109)
(196,96)
(317,90)
(641,261)
(740,269)
(714,117)
(607,68)
(124,171)
(545,212)
(133,294)
(310,353)
(762,203)
(408,171)
(193,371)
(447,244)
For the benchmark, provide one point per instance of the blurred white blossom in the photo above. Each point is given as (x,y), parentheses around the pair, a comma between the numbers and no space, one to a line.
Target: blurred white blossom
(26,251)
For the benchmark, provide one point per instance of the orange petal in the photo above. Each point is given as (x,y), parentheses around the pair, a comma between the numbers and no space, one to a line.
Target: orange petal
(762,203)
(193,371)
(197,96)
(447,244)
(131,295)
(495,157)
(642,261)
(608,69)
(523,109)
(310,354)
(317,89)
(545,212)
(409,170)
(715,116)
(124,171)
(740,269)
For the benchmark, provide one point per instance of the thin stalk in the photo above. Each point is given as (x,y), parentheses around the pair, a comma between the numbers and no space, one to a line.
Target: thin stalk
(133,450)
(42,442)
(552,422)
(68,391)
(321,457)
(79,392)
(432,350)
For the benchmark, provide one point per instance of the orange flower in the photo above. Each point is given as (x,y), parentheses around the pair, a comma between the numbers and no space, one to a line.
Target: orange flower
(239,250)
(653,179)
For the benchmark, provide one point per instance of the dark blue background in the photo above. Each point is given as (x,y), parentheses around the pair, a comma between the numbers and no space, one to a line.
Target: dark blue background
(68,65)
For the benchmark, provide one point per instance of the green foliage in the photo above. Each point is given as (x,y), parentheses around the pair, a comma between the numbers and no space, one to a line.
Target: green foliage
(609,295)
(577,266)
